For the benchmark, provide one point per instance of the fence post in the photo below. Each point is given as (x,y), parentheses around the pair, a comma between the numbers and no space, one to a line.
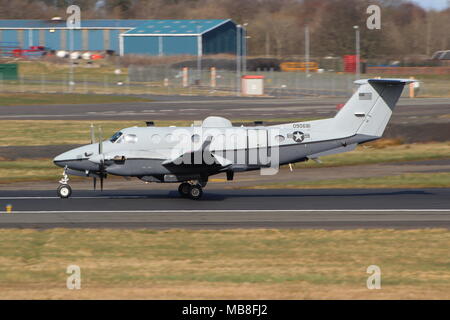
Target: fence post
(213,77)
(411,89)
(185,77)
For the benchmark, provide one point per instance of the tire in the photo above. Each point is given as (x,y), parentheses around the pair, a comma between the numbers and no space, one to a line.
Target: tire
(184,189)
(64,191)
(195,192)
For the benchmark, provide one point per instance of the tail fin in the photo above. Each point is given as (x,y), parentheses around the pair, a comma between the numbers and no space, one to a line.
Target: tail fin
(368,111)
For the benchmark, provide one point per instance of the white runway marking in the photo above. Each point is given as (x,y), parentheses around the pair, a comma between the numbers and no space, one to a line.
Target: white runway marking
(236,211)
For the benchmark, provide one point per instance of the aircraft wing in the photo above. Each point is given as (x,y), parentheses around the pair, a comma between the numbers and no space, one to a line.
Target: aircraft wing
(198,156)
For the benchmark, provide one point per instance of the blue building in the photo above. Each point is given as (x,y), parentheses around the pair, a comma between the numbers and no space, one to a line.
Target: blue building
(177,37)
(149,37)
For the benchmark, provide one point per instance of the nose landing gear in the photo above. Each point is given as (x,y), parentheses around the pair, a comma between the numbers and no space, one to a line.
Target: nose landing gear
(64,191)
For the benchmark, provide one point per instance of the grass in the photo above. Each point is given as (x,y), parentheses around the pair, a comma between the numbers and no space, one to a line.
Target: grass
(431,85)
(409,180)
(378,152)
(102,79)
(13,99)
(229,264)
(57,71)
(28,170)
(48,132)
(44,169)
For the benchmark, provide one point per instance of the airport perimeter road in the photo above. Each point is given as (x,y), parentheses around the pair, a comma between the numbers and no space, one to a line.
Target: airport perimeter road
(197,108)
(222,209)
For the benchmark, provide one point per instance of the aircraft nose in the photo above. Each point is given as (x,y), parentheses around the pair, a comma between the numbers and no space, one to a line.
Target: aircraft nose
(77,159)
(61,159)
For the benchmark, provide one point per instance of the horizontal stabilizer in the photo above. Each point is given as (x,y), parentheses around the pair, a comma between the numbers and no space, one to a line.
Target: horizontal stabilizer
(386,81)
(342,149)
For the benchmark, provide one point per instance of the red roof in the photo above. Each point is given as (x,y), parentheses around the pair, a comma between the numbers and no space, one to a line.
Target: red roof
(252,77)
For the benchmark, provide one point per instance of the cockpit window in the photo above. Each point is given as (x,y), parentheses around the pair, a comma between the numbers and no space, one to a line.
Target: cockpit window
(116,136)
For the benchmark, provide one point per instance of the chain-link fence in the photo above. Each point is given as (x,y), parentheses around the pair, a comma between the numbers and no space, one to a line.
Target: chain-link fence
(227,82)
(163,80)
(276,83)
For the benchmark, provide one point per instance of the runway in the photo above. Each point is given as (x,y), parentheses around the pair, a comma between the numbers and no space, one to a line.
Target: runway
(224,209)
(196,108)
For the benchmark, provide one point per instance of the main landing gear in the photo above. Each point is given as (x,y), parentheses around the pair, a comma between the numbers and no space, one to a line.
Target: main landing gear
(64,190)
(191,190)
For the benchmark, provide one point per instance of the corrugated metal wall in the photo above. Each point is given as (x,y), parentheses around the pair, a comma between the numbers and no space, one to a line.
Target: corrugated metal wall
(160,45)
(60,39)
(179,45)
(220,40)
(141,45)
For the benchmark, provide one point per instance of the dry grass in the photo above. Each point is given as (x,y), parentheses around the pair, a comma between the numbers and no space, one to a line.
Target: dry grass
(14,99)
(408,180)
(28,170)
(239,264)
(383,143)
(383,151)
(25,132)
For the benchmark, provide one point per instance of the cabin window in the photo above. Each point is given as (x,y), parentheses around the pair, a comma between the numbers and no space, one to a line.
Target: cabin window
(195,138)
(279,138)
(156,138)
(169,137)
(130,138)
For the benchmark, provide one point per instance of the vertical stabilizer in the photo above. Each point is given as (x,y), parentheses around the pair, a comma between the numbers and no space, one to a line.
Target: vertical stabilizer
(368,111)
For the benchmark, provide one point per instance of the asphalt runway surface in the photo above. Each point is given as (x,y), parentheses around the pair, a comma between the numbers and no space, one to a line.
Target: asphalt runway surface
(198,108)
(225,209)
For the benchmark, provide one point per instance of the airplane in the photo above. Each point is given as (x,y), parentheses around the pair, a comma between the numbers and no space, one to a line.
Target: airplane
(190,155)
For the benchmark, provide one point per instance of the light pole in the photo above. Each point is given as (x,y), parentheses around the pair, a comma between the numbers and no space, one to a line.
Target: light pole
(244,49)
(199,55)
(358,52)
(238,58)
(307,49)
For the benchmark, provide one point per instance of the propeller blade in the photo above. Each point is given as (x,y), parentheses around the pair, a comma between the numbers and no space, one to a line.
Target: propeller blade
(95,183)
(100,141)
(102,161)
(92,133)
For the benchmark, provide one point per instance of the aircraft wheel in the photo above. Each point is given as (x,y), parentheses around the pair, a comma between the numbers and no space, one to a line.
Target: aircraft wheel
(64,191)
(195,192)
(184,188)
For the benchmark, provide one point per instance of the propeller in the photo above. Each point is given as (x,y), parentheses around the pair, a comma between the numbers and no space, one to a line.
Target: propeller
(92,142)
(101,167)
(102,160)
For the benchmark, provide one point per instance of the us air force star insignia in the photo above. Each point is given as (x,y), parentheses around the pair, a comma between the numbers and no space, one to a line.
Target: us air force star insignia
(298,136)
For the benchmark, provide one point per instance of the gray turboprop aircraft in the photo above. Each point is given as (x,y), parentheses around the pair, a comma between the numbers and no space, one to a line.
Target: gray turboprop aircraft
(190,155)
